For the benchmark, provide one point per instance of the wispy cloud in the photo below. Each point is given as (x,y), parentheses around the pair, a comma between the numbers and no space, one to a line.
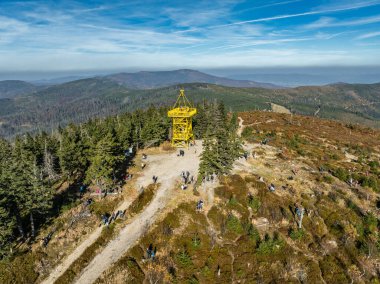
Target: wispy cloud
(41,34)
(369,35)
(353,7)
(295,15)
(327,22)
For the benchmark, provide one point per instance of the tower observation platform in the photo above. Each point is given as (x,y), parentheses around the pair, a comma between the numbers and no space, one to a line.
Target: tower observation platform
(182,116)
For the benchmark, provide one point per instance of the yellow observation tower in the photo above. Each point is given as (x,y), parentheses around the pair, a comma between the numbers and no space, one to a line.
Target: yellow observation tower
(182,114)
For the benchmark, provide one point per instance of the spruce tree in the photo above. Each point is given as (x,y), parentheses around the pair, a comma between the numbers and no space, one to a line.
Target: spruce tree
(72,152)
(221,144)
(7,220)
(105,162)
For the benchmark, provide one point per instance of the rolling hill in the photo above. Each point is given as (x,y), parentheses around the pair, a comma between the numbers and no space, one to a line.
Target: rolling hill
(11,88)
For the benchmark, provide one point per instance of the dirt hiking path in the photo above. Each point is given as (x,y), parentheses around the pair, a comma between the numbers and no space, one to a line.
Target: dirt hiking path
(168,168)
(62,267)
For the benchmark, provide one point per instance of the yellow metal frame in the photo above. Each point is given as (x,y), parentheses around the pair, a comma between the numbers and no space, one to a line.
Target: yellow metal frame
(182,114)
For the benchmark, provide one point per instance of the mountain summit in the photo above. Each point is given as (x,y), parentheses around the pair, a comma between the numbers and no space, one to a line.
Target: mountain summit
(155,79)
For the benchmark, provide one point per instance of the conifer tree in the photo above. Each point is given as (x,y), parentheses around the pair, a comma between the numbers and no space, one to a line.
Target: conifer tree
(7,220)
(73,152)
(105,162)
(221,144)
(39,199)
(154,130)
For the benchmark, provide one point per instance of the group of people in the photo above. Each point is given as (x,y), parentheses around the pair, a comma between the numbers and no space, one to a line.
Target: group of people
(107,219)
(210,177)
(186,179)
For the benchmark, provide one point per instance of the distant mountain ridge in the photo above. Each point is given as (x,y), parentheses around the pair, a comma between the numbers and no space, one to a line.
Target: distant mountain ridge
(158,79)
(139,81)
(84,99)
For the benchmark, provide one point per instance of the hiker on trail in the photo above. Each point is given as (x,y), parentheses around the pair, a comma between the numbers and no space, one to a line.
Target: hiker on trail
(300,211)
(245,155)
(351,182)
(104,219)
(272,187)
(117,214)
(88,202)
(113,217)
(200,205)
(149,251)
(153,255)
(250,197)
(155,179)
(81,190)
(47,239)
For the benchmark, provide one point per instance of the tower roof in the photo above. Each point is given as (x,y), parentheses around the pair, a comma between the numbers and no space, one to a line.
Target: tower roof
(182,107)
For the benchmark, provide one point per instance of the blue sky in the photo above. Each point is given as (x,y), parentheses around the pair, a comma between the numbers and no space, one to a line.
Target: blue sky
(143,35)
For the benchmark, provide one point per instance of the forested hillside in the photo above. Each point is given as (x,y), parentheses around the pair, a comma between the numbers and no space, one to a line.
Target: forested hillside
(11,88)
(80,100)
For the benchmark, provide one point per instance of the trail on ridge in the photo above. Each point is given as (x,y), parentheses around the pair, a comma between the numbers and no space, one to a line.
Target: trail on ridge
(168,168)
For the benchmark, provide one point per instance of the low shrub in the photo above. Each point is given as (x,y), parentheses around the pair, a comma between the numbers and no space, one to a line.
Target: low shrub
(184,259)
(234,225)
(296,234)
(142,200)
(254,203)
(19,270)
(270,245)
